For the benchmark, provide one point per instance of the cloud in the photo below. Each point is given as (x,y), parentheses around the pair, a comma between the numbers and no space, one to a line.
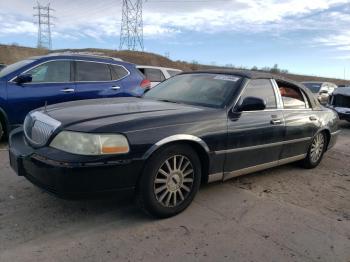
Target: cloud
(97,20)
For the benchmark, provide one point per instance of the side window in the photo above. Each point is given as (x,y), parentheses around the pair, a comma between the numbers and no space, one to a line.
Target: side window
(261,88)
(173,72)
(292,97)
(154,75)
(90,71)
(118,72)
(51,72)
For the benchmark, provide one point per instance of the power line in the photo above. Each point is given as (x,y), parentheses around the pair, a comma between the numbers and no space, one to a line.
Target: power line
(44,25)
(131,31)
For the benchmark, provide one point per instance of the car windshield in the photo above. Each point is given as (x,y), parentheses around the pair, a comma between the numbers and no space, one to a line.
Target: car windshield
(210,90)
(314,87)
(11,68)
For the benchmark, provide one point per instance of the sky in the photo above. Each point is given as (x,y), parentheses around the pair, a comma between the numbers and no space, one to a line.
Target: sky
(303,36)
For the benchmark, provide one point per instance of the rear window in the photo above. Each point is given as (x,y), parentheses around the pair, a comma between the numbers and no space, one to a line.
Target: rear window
(118,72)
(313,87)
(152,74)
(90,71)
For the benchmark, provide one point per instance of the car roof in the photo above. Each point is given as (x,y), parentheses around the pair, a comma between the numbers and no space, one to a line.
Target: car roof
(345,91)
(158,67)
(83,56)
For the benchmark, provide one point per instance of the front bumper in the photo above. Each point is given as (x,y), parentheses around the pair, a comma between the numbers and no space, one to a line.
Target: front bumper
(71,180)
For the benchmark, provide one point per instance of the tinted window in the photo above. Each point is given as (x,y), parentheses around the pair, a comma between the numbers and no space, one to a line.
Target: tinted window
(200,89)
(118,72)
(261,88)
(51,72)
(11,68)
(173,72)
(292,97)
(89,71)
(153,75)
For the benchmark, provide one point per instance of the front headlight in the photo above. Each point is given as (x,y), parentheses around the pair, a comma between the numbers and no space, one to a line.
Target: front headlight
(90,144)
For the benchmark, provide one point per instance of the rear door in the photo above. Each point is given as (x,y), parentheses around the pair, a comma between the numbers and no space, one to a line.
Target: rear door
(301,121)
(98,80)
(51,83)
(255,138)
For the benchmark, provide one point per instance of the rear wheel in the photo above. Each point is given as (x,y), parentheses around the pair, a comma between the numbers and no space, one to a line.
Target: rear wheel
(170,181)
(316,151)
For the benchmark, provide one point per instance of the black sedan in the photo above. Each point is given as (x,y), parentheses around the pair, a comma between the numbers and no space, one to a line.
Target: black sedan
(193,128)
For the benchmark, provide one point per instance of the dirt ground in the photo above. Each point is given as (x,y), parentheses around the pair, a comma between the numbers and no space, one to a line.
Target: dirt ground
(282,214)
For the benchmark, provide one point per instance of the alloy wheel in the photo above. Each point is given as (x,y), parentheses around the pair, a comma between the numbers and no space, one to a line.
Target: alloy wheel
(174,180)
(317,147)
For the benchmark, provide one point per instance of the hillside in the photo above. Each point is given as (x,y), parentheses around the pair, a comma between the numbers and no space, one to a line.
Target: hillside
(11,53)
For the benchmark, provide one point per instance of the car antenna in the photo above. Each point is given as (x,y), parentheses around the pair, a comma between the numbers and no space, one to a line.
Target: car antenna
(45,110)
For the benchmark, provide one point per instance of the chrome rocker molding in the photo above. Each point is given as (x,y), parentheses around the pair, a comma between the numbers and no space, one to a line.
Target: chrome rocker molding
(263,146)
(176,138)
(252,169)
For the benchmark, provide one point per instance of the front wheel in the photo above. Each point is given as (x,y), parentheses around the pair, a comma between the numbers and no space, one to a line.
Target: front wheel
(169,181)
(316,151)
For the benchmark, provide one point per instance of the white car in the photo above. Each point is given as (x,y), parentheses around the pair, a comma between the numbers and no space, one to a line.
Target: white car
(157,74)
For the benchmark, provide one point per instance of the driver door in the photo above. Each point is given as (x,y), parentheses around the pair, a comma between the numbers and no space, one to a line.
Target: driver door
(51,83)
(255,138)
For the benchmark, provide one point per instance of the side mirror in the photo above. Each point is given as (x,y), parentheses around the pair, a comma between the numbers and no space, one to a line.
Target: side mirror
(323,92)
(25,78)
(252,104)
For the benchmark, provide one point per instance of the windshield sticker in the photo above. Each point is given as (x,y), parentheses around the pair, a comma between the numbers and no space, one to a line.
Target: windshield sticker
(227,78)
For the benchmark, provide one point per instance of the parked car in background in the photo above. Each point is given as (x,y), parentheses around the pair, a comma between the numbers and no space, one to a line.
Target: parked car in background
(322,90)
(157,74)
(2,66)
(340,102)
(51,79)
(195,127)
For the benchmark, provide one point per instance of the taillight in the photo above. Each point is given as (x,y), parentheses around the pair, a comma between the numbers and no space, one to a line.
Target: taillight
(145,84)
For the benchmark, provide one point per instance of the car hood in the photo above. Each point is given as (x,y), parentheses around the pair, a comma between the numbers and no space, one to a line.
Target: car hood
(127,113)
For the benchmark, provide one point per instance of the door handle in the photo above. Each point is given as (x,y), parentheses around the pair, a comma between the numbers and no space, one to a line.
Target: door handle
(68,90)
(276,122)
(313,118)
(115,87)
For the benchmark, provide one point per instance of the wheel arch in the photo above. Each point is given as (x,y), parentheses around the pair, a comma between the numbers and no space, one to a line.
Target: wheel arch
(327,132)
(200,147)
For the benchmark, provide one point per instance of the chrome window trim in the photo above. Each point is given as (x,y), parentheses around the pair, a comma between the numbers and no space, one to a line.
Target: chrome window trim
(70,82)
(240,149)
(89,61)
(278,94)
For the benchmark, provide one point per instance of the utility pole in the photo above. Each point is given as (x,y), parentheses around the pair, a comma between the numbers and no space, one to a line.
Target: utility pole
(131,31)
(44,25)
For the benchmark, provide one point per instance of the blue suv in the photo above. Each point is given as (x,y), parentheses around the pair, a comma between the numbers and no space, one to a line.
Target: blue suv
(39,81)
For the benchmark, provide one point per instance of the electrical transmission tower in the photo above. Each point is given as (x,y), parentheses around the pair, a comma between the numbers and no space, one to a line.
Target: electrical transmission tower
(131,32)
(44,25)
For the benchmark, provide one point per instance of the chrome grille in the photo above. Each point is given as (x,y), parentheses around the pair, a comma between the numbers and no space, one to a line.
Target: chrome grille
(38,128)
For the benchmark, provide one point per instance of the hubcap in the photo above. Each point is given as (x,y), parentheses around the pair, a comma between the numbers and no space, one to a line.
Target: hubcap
(317,148)
(174,181)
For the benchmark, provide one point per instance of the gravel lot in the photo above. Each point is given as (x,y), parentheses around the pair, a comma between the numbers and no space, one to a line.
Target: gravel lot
(283,214)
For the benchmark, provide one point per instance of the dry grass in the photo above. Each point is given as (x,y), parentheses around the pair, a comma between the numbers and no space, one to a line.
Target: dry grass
(11,54)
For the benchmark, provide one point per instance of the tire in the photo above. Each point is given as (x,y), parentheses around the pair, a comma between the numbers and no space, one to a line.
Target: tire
(2,133)
(316,151)
(163,189)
